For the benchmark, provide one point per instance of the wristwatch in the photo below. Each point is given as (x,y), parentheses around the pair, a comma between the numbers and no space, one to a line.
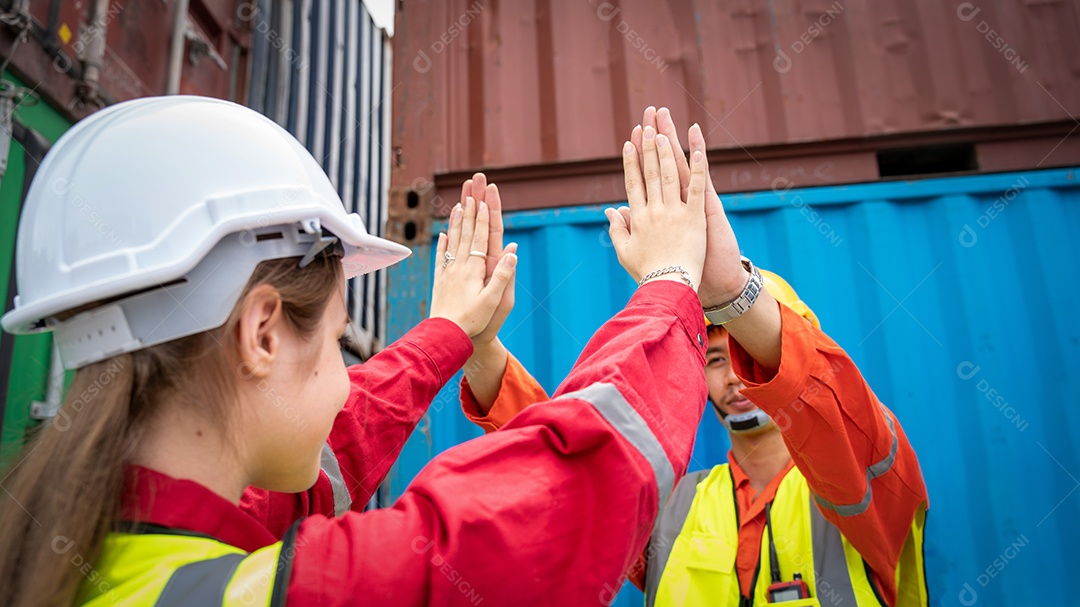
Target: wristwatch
(719,315)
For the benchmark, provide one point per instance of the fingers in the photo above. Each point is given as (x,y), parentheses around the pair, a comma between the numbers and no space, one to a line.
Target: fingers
(454,230)
(653,191)
(648,118)
(635,138)
(618,230)
(440,251)
(695,193)
(666,126)
(500,280)
(669,171)
(495,226)
(635,186)
(697,143)
(466,191)
(468,226)
(479,187)
(625,212)
(508,294)
(480,236)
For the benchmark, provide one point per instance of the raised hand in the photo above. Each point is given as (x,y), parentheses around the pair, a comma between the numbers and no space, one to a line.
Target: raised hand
(485,368)
(481,191)
(459,292)
(659,230)
(723,276)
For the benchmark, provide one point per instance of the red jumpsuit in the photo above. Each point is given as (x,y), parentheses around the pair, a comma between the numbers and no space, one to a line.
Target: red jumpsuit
(552,509)
(834,427)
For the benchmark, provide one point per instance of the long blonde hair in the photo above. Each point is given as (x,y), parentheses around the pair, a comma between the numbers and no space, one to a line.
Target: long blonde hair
(64,492)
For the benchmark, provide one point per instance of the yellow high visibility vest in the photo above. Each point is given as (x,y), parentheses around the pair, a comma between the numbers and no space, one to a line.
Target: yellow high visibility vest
(160,566)
(700,569)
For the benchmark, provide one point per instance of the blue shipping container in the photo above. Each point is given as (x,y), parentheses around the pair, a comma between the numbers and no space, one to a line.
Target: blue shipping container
(957,298)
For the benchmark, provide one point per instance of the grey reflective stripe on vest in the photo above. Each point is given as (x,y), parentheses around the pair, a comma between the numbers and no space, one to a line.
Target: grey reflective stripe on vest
(872,471)
(831,576)
(668,526)
(199,584)
(624,418)
(330,466)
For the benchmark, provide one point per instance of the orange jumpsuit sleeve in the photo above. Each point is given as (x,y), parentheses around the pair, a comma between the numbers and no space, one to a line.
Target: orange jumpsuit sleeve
(519,389)
(855,456)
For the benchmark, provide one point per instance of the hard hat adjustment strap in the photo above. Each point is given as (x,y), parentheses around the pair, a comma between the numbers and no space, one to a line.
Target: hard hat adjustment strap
(313,227)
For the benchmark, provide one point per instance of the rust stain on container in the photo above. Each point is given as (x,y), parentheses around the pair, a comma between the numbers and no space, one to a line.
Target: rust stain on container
(509,83)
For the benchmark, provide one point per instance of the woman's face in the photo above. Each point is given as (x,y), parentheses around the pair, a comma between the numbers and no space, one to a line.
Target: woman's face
(295,404)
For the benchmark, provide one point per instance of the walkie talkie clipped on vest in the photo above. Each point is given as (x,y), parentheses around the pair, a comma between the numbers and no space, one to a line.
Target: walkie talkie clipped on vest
(780,592)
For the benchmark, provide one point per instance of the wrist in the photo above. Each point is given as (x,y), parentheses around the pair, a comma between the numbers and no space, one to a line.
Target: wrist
(687,275)
(664,277)
(726,293)
(487,347)
(486,355)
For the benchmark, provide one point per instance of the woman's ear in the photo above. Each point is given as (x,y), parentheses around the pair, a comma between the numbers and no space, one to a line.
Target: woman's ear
(258,331)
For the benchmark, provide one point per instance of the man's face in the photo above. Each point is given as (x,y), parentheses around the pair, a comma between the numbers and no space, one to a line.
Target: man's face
(720,377)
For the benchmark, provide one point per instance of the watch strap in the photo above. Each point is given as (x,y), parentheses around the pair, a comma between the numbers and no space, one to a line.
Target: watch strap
(725,313)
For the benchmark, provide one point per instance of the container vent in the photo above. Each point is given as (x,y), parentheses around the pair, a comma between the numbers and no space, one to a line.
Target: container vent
(929,160)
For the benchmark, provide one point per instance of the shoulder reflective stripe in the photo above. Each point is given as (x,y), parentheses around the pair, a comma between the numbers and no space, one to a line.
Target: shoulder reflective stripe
(832,577)
(200,583)
(668,526)
(613,407)
(873,471)
(330,466)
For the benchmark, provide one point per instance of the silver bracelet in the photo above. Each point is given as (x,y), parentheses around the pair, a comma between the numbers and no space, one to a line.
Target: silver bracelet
(668,270)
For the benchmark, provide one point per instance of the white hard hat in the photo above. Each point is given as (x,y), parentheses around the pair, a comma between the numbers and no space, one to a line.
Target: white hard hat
(161,208)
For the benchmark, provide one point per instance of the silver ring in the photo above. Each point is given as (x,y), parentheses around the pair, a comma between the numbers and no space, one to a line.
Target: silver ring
(478,254)
(448,257)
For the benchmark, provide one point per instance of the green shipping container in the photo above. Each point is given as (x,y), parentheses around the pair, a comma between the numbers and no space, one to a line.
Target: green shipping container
(24,360)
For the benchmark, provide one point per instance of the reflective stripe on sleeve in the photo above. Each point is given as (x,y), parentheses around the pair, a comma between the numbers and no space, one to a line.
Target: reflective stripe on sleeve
(872,471)
(330,467)
(607,400)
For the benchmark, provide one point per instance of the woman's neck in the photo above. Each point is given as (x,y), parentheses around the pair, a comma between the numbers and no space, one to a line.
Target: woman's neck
(188,447)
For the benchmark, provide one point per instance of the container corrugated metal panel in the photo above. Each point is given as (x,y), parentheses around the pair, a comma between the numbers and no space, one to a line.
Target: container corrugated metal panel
(25,360)
(522,83)
(958,300)
(321,70)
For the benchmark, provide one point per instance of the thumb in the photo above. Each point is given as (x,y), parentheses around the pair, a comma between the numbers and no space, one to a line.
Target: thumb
(617,230)
(501,278)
